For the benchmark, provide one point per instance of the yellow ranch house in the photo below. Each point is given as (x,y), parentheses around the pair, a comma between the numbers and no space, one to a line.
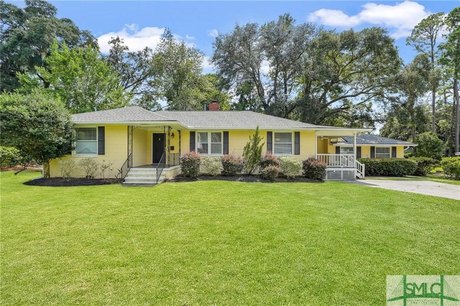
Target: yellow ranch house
(138,142)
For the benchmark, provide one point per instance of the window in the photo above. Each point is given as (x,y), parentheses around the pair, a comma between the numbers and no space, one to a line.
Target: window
(209,142)
(283,144)
(346,150)
(382,152)
(86,141)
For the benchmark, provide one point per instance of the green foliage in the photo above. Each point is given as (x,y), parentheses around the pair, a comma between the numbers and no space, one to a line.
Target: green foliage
(389,166)
(429,145)
(80,78)
(451,167)
(290,167)
(314,169)
(67,167)
(89,167)
(9,156)
(270,173)
(211,165)
(232,165)
(252,152)
(269,160)
(37,125)
(424,165)
(190,164)
(26,35)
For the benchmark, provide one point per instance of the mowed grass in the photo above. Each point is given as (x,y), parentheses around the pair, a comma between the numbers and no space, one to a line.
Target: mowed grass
(216,242)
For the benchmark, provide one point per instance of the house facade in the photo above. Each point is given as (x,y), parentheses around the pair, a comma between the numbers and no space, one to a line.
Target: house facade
(135,140)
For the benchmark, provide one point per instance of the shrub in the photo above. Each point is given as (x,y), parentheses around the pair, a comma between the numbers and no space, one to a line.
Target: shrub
(270,173)
(389,166)
(269,160)
(231,165)
(429,145)
(9,156)
(451,167)
(67,166)
(252,152)
(290,167)
(211,166)
(424,165)
(314,169)
(89,166)
(190,164)
(105,165)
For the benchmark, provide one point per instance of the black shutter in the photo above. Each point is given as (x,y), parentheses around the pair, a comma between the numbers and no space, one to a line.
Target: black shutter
(192,141)
(101,140)
(269,142)
(393,152)
(225,142)
(372,152)
(296,143)
(358,152)
(337,150)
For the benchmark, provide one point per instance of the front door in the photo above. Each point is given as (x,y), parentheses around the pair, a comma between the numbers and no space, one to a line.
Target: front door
(158,146)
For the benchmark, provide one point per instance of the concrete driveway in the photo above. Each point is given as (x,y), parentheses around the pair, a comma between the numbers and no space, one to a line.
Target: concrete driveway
(422,187)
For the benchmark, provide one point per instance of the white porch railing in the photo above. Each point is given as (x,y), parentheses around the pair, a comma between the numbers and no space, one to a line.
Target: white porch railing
(360,170)
(337,160)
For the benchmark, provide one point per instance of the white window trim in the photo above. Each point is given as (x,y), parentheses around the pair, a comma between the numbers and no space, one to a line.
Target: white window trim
(209,143)
(74,152)
(292,143)
(389,152)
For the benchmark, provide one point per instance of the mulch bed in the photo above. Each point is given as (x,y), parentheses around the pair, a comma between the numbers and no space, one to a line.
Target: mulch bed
(59,182)
(243,178)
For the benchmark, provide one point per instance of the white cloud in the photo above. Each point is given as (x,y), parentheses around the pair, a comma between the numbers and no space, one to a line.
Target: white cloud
(400,18)
(264,67)
(207,65)
(137,39)
(213,33)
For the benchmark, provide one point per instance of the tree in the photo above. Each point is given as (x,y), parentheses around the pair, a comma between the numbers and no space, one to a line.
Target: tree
(451,60)
(252,152)
(37,125)
(345,71)
(79,77)
(429,145)
(136,70)
(263,62)
(26,35)
(424,39)
(177,73)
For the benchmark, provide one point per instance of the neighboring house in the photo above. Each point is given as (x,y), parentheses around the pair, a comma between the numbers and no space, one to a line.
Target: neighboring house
(140,144)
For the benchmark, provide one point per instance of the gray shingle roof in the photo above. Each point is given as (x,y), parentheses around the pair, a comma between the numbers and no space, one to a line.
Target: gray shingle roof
(232,119)
(124,114)
(374,140)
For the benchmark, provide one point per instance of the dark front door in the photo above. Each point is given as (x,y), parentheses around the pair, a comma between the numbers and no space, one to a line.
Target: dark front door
(158,146)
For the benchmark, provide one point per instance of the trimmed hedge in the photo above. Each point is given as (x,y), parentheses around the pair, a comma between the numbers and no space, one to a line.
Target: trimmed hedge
(314,169)
(190,164)
(232,165)
(290,167)
(451,167)
(389,166)
(210,165)
(269,160)
(270,173)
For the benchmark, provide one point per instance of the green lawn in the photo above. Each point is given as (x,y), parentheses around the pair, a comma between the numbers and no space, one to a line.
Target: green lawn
(217,242)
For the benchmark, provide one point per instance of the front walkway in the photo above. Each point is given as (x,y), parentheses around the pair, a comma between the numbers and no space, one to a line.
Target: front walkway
(422,187)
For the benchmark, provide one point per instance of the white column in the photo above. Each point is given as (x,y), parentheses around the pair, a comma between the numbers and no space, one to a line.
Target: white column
(354,152)
(316,145)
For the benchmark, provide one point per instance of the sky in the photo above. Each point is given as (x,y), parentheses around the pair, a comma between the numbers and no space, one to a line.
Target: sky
(141,23)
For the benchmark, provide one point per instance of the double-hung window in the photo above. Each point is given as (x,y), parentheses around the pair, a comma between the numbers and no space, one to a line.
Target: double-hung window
(282,144)
(346,150)
(382,152)
(86,141)
(209,142)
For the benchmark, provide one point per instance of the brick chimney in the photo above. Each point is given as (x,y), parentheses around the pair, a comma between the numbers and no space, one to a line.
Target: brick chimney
(213,106)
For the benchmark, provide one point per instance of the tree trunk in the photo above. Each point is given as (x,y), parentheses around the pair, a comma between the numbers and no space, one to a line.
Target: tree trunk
(457,116)
(433,110)
(46,169)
